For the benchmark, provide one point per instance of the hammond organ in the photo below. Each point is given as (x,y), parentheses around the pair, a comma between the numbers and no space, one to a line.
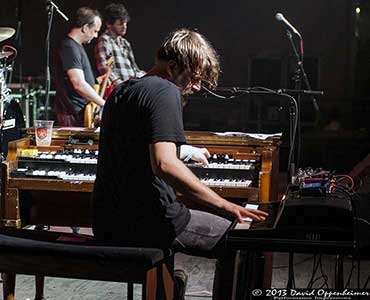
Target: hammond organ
(240,168)
(52,185)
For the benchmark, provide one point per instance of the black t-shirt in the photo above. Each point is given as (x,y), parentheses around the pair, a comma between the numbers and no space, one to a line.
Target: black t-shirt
(70,55)
(132,205)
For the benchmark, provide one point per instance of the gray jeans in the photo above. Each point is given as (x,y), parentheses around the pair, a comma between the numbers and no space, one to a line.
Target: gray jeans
(204,236)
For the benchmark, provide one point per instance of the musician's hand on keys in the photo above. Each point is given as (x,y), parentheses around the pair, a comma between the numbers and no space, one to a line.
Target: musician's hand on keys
(242,213)
(201,155)
(194,153)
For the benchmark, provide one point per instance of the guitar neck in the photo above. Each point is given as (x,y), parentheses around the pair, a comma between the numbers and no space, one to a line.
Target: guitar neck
(103,85)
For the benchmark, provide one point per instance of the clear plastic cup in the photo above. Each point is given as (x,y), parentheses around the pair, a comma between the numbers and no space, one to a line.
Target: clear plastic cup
(43,132)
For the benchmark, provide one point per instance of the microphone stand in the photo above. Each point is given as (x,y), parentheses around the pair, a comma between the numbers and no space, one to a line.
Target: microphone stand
(50,6)
(297,85)
(293,117)
(300,75)
(295,161)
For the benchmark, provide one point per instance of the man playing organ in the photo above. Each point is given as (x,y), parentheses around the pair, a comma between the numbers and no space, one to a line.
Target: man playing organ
(139,164)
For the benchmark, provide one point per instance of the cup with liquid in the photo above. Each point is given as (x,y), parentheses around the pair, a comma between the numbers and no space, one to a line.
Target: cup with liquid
(43,132)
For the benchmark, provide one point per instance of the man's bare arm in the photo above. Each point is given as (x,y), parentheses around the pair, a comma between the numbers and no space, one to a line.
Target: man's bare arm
(77,78)
(166,165)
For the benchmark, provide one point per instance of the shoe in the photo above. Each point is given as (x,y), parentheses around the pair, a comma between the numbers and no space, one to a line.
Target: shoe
(180,279)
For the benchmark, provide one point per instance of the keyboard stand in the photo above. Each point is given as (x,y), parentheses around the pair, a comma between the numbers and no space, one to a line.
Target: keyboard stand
(245,268)
(248,248)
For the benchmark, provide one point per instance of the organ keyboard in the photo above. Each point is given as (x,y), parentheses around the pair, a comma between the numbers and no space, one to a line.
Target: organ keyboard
(224,170)
(66,164)
(240,168)
(52,185)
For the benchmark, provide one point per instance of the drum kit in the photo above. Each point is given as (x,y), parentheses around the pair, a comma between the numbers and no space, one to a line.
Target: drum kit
(5,33)
(10,115)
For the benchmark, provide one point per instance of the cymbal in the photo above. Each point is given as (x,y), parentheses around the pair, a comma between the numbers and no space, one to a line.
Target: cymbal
(6,32)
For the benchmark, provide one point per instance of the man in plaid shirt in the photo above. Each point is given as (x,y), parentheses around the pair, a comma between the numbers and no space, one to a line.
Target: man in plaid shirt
(113,43)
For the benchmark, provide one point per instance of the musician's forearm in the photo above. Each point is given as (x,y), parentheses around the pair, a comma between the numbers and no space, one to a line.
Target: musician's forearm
(88,93)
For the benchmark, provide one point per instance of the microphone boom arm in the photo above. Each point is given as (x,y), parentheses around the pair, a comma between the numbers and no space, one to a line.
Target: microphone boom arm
(58,10)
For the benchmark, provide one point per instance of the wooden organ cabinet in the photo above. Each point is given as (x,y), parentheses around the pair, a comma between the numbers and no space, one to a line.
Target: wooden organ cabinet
(52,185)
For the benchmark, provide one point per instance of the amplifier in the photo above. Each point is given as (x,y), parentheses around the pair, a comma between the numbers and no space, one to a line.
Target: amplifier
(317,218)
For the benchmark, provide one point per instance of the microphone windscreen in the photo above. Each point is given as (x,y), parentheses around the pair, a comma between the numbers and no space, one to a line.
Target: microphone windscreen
(279,16)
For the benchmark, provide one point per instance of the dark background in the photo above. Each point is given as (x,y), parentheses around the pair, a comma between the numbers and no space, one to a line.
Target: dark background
(254,50)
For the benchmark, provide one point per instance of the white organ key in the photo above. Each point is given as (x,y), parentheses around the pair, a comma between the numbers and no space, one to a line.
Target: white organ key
(81,176)
(210,182)
(216,182)
(247,221)
(92,177)
(232,183)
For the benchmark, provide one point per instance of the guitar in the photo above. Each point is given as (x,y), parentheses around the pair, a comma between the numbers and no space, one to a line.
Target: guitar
(91,109)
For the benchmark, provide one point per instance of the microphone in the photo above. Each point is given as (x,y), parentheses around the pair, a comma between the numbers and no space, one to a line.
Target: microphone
(280,17)
(50,4)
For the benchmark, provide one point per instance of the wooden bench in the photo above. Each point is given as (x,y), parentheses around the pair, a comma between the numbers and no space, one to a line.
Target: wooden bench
(44,253)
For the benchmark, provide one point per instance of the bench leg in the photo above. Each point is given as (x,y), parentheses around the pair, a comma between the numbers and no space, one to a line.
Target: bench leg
(8,285)
(40,280)
(150,286)
(159,283)
(39,285)
(130,291)
(168,281)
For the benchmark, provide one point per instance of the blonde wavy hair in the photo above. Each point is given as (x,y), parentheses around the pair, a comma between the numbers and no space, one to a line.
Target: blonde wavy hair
(191,50)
